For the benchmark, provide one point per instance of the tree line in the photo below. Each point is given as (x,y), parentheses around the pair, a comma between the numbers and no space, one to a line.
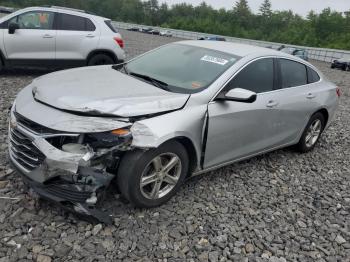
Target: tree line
(327,29)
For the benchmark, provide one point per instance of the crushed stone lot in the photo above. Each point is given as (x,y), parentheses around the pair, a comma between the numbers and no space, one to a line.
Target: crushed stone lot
(282,206)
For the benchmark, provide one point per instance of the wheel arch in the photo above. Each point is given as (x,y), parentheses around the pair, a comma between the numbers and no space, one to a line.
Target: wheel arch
(191,151)
(189,145)
(325,114)
(102,51)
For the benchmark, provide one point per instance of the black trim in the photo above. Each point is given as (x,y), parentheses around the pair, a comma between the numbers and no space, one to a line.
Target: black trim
(277,75)
(205,139)
(44,63)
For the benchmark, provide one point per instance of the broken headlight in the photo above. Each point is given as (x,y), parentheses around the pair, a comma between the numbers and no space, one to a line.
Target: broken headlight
(108,139)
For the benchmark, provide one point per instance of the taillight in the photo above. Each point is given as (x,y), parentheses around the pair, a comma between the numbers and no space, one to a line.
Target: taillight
(338,92)
(119,41)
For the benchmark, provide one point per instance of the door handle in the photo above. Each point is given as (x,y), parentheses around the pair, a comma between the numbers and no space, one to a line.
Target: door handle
(90,36)
(272,104)
(310,96)
(47,36)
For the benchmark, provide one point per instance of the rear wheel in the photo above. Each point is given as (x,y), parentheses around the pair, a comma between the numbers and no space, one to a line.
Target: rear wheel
(1,64)
(312,133)
(100,59)
(344,67)
(150,178)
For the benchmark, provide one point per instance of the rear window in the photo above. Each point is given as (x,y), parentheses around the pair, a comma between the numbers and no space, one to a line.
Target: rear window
(75,23)
(293,73)
(312,76)
(109,24)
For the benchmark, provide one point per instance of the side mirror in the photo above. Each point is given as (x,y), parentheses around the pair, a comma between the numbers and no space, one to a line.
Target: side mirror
(238,95)
(13,27)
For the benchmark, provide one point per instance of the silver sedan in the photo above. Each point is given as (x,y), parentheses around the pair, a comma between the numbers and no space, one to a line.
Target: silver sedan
(148,124)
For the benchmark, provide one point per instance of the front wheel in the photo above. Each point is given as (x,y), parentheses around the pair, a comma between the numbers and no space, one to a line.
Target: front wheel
(312,133)
(150,178)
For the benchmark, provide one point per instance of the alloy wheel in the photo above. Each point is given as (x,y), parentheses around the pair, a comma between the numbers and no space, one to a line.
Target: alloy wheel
(160,176)
(313,133)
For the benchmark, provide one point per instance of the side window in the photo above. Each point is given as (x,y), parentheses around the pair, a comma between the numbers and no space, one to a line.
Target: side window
(75,23)
(257,77)
(35,20)
(292,73)
(312,76)
(90,25)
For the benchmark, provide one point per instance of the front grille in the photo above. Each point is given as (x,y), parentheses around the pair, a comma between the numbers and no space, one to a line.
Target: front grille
(67,192)
(24,151)
(32,126)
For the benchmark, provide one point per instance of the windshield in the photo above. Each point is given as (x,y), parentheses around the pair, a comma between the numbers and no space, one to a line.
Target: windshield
(183,68)
(288,50)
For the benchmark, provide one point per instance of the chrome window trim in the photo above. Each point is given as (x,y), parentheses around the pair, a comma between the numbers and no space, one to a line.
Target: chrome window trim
(212,100)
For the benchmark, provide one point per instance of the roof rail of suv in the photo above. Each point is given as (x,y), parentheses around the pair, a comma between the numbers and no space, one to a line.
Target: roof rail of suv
(68,8)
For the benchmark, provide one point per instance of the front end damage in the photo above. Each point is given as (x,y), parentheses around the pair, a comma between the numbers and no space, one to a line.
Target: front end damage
(71,169)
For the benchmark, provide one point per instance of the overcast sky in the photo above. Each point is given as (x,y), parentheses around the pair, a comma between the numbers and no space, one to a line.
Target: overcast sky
(301,7)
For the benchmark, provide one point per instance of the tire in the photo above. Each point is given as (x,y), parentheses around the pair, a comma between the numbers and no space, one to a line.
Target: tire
(1,64)
(101,59)
(332,66)
(138,165)
(309,140)
(344,67)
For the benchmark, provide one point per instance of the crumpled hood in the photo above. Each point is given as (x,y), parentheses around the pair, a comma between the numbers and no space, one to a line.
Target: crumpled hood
(104,91)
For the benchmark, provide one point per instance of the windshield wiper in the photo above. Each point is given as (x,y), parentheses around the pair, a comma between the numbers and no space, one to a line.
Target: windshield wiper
(118,67)
(155,82)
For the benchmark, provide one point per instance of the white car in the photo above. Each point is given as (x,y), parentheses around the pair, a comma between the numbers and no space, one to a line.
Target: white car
(58,37)
(166,33)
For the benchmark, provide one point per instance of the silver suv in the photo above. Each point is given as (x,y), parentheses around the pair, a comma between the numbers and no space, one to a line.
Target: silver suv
(58,37)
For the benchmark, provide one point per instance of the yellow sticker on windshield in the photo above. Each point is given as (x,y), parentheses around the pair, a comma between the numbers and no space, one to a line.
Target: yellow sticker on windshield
(215,60)
(196,85)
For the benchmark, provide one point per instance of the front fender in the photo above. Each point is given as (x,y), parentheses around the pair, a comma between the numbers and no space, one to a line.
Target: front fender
(188,123)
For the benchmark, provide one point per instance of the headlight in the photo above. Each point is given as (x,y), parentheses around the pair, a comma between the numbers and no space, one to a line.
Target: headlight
(108,139)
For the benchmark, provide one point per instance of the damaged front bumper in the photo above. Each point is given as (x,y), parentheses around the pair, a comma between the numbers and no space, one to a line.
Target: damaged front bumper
(75,180)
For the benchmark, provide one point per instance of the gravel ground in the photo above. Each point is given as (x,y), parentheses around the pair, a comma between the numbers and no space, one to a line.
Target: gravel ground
(282,206)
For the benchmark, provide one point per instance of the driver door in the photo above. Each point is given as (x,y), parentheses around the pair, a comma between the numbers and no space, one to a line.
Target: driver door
(35,39)
(239,129)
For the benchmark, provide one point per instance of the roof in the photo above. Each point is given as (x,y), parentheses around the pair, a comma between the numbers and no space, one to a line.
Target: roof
(62,10)
(240,50)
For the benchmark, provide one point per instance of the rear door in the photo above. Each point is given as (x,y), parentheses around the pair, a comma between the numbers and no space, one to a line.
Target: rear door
(77,36)
(34,41)
(297,98)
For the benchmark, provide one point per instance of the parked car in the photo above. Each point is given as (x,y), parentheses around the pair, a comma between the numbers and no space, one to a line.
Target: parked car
(147,30)
(213,38)
(58,37)
(166,33)
(151,123)
(134,29)
(342,63)
(301,53)
(6,10)
(154,32)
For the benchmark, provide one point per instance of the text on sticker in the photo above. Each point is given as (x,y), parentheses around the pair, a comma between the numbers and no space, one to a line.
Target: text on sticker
(215,60)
